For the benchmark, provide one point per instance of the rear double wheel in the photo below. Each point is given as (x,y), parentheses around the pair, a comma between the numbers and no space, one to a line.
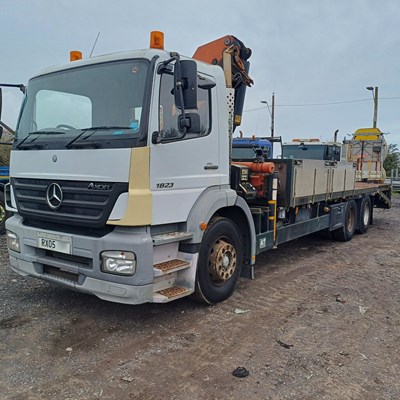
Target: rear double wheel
(364,215)
(220,261)
(346,232)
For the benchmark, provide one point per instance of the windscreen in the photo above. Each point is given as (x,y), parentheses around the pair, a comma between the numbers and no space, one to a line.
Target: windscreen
(243,153)
(104,102)
(250,153)
(304,151)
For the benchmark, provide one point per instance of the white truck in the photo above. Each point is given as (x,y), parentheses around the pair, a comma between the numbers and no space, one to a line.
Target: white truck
(121,183)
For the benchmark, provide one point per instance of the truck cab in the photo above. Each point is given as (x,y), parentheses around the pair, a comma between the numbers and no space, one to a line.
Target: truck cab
(128,169)
(251,149)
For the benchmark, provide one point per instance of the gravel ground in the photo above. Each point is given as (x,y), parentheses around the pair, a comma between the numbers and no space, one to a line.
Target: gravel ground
(321,321)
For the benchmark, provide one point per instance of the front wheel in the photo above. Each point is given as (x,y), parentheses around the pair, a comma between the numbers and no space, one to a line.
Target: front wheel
(220,261)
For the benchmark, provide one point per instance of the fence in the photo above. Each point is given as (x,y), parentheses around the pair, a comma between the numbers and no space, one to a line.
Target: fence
(394,179)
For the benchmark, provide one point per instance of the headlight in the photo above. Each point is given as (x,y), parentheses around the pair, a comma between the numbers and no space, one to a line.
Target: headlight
(118,262)
(13,241)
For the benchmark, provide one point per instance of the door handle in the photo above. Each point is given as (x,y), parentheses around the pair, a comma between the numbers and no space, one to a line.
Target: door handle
(210,166)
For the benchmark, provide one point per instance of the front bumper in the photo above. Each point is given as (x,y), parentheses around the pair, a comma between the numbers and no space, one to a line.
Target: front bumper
(81,270)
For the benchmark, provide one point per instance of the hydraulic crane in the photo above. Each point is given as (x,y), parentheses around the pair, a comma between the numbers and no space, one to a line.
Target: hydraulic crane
(232,56)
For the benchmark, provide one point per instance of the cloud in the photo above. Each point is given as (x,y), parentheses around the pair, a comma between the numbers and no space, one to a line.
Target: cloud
(313,51)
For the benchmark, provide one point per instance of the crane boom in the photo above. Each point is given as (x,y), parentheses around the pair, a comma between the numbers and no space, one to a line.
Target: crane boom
(232,56)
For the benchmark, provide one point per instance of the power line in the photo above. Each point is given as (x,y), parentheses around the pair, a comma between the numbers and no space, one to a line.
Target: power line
(323,104)
(388,98)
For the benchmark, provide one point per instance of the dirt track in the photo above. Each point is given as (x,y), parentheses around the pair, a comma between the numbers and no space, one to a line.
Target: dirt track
(335,305)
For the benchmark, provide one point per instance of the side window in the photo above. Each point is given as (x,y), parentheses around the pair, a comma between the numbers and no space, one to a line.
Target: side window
(168,113)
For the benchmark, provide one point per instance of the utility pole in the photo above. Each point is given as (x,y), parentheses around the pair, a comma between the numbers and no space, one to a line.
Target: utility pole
(272,114)
(375,97)
(271,111)
(376,106)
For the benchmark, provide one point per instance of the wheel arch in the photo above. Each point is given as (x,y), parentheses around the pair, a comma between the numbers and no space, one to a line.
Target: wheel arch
(246,228)
(225,203)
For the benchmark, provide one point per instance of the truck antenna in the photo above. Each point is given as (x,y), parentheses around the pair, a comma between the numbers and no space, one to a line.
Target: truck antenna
(94,45)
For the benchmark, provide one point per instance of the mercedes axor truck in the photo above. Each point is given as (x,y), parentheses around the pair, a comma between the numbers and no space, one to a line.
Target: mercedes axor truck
(122,183)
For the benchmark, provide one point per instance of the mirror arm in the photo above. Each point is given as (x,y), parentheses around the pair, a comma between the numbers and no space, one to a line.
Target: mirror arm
(20,86)
(7,127)
(164,65)
(179,87)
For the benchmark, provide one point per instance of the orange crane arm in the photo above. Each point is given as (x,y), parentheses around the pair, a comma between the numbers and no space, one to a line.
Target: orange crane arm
(212,53)
(236,72)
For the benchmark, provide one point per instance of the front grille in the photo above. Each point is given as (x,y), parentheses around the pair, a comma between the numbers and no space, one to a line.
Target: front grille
(78,261)
(82,205)
(69,229)
(60,274)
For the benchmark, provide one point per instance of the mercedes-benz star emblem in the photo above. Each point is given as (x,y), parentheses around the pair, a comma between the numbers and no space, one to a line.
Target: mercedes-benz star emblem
(54,196)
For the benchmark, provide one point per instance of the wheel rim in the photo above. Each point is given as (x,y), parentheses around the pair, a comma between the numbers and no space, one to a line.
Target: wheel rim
(351,221)
(366,214)
(222,261)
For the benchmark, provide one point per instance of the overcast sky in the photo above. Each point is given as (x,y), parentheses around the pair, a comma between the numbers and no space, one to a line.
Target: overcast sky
(307,52)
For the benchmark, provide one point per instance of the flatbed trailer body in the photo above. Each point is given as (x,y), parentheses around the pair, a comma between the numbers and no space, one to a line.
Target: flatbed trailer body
(265,241)
(320,191)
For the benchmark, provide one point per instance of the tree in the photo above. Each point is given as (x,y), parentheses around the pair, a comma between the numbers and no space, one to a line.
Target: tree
(392,160)
(5,148)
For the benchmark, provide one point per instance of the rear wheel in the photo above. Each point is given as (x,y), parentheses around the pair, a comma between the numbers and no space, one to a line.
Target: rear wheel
(364,215)
(220,261)
(346,232)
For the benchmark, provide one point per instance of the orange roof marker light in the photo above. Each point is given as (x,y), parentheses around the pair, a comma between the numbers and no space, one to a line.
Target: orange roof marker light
(157,40)
(75,55)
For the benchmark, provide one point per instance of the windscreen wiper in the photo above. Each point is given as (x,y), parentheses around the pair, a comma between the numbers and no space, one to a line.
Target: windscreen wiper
(38,133)
(94,129)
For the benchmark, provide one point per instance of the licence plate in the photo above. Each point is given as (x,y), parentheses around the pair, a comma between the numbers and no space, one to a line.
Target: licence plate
(49,241)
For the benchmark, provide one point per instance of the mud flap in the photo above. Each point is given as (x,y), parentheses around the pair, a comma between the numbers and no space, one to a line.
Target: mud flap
(338,214)
(247,271)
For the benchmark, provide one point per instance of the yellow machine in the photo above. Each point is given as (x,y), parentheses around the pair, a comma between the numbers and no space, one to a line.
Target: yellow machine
(368,148)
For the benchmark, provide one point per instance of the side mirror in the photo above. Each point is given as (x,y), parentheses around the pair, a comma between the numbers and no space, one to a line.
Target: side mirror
(185,84)
(155,137)
(191,122)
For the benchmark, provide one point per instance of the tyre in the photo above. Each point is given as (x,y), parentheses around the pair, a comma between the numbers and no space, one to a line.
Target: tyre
(346,232)
(364,215)
(3,213)
(220,261)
